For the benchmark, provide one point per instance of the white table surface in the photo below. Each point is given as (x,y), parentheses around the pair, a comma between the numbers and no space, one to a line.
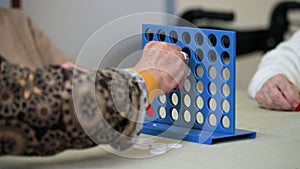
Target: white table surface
(277,146)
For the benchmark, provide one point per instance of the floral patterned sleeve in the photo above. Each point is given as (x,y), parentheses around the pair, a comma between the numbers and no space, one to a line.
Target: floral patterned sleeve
(47,110)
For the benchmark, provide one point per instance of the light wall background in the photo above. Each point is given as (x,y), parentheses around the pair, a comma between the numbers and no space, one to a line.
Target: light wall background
(4,3)
(69,23)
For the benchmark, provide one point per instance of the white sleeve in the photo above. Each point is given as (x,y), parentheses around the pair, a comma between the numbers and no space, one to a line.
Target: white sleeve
(284,59)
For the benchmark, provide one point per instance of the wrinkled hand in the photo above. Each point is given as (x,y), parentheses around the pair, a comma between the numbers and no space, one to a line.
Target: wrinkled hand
(166,62)
(278,93)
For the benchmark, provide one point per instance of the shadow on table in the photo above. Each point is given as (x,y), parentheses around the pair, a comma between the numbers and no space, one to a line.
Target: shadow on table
(89,158)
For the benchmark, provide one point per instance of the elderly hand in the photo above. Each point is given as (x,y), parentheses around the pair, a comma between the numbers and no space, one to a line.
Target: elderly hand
(166,62)
(278,93)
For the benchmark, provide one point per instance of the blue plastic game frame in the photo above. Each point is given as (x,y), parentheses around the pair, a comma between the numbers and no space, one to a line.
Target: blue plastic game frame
(203,111)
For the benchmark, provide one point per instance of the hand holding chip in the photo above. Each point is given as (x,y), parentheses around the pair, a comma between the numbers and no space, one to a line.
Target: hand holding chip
(166,62)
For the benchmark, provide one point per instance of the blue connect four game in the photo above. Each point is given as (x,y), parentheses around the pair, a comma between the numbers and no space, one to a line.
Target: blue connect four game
(203,110)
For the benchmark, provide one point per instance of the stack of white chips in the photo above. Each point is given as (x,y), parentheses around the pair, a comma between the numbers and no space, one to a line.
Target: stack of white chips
(154,148)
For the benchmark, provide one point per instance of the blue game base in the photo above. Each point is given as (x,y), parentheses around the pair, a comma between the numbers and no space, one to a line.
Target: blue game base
(194,135)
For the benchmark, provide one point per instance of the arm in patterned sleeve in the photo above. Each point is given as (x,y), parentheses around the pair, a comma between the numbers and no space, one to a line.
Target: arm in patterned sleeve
(51,109)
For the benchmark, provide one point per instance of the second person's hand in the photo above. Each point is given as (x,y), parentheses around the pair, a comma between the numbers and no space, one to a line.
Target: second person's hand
(278,93)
